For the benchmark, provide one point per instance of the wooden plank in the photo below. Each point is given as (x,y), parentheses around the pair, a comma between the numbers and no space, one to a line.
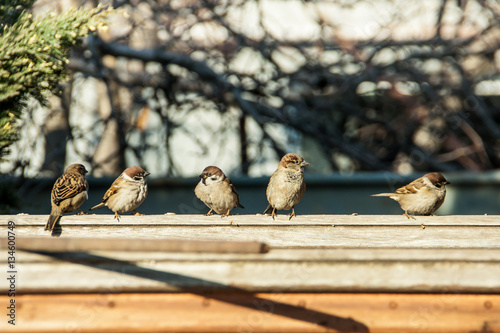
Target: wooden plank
(241,312)
(313,254)
(319,254)
(295,236)
(164,245)
(280,270)
(305,231)
(257,220)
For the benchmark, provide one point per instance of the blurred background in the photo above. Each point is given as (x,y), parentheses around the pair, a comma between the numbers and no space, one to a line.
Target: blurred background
(373,94)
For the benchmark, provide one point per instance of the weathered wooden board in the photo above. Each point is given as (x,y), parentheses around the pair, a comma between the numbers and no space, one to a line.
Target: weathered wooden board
(303,231)
(262,312)
(258,219)
(280,270)
(74,244)
(310,253)
(292,288)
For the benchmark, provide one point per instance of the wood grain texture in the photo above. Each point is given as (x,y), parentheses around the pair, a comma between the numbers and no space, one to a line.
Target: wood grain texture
(262,312)
(258,219)
(303,231)
(312,253)
(333,273)
(38,244)
(280,270)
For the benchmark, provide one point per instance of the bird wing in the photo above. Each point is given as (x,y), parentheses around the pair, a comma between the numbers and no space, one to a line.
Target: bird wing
(67,186)
(228,181)
(112,190)
(411,188)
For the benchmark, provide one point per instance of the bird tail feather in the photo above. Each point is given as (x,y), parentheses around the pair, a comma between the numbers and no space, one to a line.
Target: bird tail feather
(268,210)
(98,206)
(51,223)
(383,195)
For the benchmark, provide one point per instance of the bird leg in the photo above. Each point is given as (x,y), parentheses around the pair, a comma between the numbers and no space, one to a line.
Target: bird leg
(227,214)
(137,213)
(273,213)
(409,216)
(209,213)
(81,212)
(292,214)
(117,216)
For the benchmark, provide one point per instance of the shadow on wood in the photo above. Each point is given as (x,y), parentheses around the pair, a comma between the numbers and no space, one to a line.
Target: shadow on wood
(234,296)
(38,244)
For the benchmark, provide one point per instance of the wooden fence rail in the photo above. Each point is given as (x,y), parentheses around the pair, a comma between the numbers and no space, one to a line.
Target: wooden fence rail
(248,273)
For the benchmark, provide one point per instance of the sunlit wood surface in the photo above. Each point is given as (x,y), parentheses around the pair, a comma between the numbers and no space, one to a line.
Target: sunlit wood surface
(365,273)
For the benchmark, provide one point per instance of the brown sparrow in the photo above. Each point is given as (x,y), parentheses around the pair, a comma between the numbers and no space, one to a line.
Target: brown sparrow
(68,194)
(423,196)
(217,192)
(286,186)
(127,192)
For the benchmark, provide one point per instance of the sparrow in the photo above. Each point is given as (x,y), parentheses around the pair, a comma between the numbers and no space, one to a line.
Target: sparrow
(127,192)
(286,186)
(68,193)
(217,192)
(423,196)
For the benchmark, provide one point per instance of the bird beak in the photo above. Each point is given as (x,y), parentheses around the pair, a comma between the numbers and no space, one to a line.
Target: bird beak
(304,163)
(202,176)
(447,183)
(146,174)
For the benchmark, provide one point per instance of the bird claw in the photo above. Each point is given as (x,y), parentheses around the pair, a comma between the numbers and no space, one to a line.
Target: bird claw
(409,216)
(273,214)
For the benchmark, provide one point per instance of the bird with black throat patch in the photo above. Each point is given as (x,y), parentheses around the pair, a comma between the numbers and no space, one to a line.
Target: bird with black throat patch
(217,192)
(68,193)
(423,196)
(127,192)
(286,186)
